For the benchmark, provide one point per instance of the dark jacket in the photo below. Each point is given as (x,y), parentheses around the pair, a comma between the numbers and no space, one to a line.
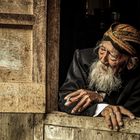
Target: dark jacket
(77,78)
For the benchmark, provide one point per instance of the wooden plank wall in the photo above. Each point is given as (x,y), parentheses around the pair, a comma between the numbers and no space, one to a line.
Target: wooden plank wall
(24,95)
(23,56)
(16,126)
(61,126)
(69,127)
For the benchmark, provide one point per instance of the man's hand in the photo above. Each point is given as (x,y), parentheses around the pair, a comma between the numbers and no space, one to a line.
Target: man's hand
(84,99)
(113,116)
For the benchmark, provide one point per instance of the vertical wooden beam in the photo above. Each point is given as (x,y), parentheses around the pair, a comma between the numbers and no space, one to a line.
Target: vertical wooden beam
(53,31)
(39,42)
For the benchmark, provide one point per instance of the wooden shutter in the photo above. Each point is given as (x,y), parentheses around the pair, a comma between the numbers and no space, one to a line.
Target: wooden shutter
(22,55)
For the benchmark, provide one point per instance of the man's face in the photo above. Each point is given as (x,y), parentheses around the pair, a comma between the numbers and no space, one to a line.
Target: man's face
(105,72)
(110,57)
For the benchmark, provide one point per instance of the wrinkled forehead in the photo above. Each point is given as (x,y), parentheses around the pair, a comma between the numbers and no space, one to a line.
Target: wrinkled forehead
(109,47)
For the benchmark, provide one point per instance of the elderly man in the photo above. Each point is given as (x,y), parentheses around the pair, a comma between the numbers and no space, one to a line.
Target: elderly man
(105,81)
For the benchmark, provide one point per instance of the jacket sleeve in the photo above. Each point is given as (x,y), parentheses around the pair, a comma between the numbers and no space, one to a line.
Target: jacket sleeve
(130,97)
(76,79)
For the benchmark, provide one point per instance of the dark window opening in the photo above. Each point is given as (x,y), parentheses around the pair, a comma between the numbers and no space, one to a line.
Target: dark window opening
(80,29)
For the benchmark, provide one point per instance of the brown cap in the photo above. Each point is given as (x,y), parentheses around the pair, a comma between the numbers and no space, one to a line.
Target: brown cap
(124,36)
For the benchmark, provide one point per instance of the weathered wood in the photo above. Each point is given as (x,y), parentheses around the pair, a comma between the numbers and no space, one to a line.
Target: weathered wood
(16,19)
(22,97)
(39,126)
(23,56)
(15,55)
(39,42)
(16,126)
(57,125)
(63,126)
(53,23)
(16,6)
(63,119)
(53,132)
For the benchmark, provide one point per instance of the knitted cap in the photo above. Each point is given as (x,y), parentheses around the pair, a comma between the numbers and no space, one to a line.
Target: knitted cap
(124,37)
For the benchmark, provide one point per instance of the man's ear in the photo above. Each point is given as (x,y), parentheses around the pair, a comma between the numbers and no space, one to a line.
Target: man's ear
(132,62)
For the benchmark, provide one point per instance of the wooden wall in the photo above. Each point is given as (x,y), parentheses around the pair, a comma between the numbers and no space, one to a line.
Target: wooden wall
(69,127)
(29,47)
(61,126)
(22,55)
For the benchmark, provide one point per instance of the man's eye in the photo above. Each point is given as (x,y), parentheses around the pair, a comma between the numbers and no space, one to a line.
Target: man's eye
(102,49)
(113,58)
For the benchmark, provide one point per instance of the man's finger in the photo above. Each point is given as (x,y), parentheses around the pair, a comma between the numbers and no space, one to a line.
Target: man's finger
(84,106)
(114,120)
(74,97)
(118,114)
(75,93)
(79,104)
(71,100)
(119,118)
(127,112)
(108,120)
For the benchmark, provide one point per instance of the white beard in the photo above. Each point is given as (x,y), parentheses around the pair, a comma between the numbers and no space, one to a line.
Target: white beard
(103,78)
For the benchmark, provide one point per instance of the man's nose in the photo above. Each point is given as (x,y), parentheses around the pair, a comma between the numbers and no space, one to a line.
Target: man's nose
(104,58)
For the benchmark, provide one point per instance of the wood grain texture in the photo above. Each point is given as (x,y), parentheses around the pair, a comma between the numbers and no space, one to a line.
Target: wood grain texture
(16,6)
(16,126)
(23,56)
(53,132)
(22,97)
(96,123)
(53,31)
(39,42)
(39,126)
(15,55)
(16,19)
(61,126)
